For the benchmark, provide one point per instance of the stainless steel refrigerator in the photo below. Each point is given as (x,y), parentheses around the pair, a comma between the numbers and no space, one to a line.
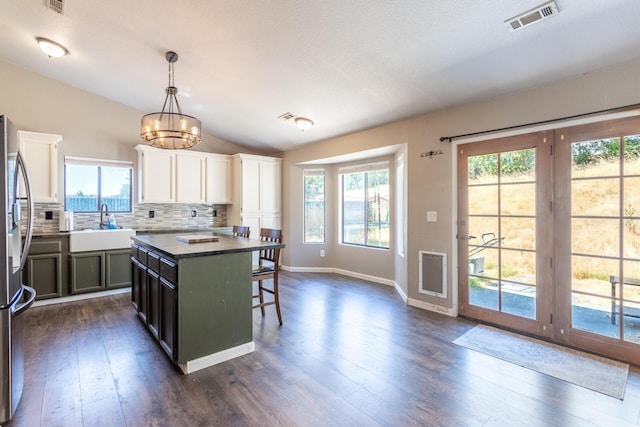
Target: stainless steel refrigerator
(15,237)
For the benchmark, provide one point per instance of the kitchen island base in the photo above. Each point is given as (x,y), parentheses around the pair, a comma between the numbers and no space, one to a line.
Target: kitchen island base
(195,299)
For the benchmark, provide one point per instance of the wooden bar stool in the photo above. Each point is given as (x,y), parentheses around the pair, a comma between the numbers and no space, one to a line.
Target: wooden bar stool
(268,269)
(241,231)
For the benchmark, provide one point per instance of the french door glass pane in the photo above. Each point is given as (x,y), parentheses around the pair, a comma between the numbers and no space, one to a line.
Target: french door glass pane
(518,199)
(595,236)
(632,155)
(484,199)
(596,190)
(595,197)
(502,228)
(519,233)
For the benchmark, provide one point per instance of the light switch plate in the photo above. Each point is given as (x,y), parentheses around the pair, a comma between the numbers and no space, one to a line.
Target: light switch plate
(432,216)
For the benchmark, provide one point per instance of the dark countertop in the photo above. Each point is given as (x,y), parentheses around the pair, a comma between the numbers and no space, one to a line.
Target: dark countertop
(168,244)
(223,230)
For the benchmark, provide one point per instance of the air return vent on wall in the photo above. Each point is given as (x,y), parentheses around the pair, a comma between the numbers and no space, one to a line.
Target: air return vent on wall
(432,276)
(56,5)
(532,16)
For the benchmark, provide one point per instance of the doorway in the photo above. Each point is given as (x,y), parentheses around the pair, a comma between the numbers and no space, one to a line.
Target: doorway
(549,235)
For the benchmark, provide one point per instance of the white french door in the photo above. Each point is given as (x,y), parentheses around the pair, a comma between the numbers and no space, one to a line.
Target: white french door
(549,235)
(597,238)
(504,231)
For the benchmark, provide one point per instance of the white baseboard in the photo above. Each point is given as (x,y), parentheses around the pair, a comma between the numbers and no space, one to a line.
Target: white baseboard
(349,273)
(80,297)
(400,292)
(366,277)
(308,269)
(432,307)
(409,301)
(219,357)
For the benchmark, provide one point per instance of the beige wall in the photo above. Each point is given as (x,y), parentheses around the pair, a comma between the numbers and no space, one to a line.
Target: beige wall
(431,181)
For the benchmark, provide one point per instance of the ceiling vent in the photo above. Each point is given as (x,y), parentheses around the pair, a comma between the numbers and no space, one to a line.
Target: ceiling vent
(286,116)
(532,16)
(56,5)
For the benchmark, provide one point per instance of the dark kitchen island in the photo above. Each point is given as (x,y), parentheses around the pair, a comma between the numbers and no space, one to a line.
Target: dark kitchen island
(195,298)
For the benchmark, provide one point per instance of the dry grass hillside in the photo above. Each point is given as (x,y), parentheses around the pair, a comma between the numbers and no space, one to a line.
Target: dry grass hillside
(604,224)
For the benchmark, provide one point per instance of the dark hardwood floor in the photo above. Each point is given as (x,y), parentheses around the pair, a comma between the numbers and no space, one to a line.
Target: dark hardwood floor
(349,353)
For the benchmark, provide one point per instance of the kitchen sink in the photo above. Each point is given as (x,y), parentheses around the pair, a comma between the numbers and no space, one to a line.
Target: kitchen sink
(100,240)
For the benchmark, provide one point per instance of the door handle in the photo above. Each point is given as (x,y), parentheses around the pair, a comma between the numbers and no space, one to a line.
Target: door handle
(464,237)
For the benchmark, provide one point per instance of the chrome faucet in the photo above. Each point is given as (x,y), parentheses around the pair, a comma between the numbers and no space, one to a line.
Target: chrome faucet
(104,212)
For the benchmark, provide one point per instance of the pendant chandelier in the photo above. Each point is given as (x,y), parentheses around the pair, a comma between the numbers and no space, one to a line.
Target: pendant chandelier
(170,128)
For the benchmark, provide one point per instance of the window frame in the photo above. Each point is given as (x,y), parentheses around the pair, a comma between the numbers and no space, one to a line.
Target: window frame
(365,169)
(308,173)
(99,164)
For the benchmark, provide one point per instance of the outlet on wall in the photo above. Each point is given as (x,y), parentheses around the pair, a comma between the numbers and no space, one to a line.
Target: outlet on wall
(321,252)
(48,214)
(152,214)
(193,214)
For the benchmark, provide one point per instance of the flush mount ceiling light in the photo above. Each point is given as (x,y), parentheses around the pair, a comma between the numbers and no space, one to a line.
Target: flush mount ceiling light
(169,129)
(51,48)
(303,123)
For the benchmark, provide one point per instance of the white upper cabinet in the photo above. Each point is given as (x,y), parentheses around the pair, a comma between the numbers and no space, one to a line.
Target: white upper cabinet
(40,154)
(190,177)
(218,179)
(179,176)
(156,175)
(270,186)
(257,192)
(250,184)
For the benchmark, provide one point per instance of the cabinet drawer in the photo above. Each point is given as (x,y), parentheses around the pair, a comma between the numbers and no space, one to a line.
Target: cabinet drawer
(153,261)
(39,247)
(142,255)
(169,270)
(134,251)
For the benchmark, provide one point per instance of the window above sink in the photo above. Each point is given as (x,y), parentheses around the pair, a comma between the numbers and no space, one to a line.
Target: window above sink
(89,183)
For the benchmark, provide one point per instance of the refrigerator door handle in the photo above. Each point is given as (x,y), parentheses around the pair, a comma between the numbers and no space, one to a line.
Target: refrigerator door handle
(22,307)
(30,210)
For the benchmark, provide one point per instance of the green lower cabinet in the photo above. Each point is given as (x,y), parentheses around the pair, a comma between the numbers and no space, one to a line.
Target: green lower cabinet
(87,272)
(47,267)
(95,271)
(44,274)
(118,268)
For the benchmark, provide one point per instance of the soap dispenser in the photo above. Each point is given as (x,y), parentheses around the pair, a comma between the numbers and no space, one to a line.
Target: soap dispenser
(112,222)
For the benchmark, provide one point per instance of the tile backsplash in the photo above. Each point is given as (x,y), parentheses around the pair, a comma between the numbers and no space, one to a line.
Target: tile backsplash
(166,216)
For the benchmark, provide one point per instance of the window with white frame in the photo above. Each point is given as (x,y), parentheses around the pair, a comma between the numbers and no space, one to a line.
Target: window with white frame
(313,205)
(90,183)
(365,205)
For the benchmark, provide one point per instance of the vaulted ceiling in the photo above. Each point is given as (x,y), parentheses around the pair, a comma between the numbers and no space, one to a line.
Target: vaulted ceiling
(348,65)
